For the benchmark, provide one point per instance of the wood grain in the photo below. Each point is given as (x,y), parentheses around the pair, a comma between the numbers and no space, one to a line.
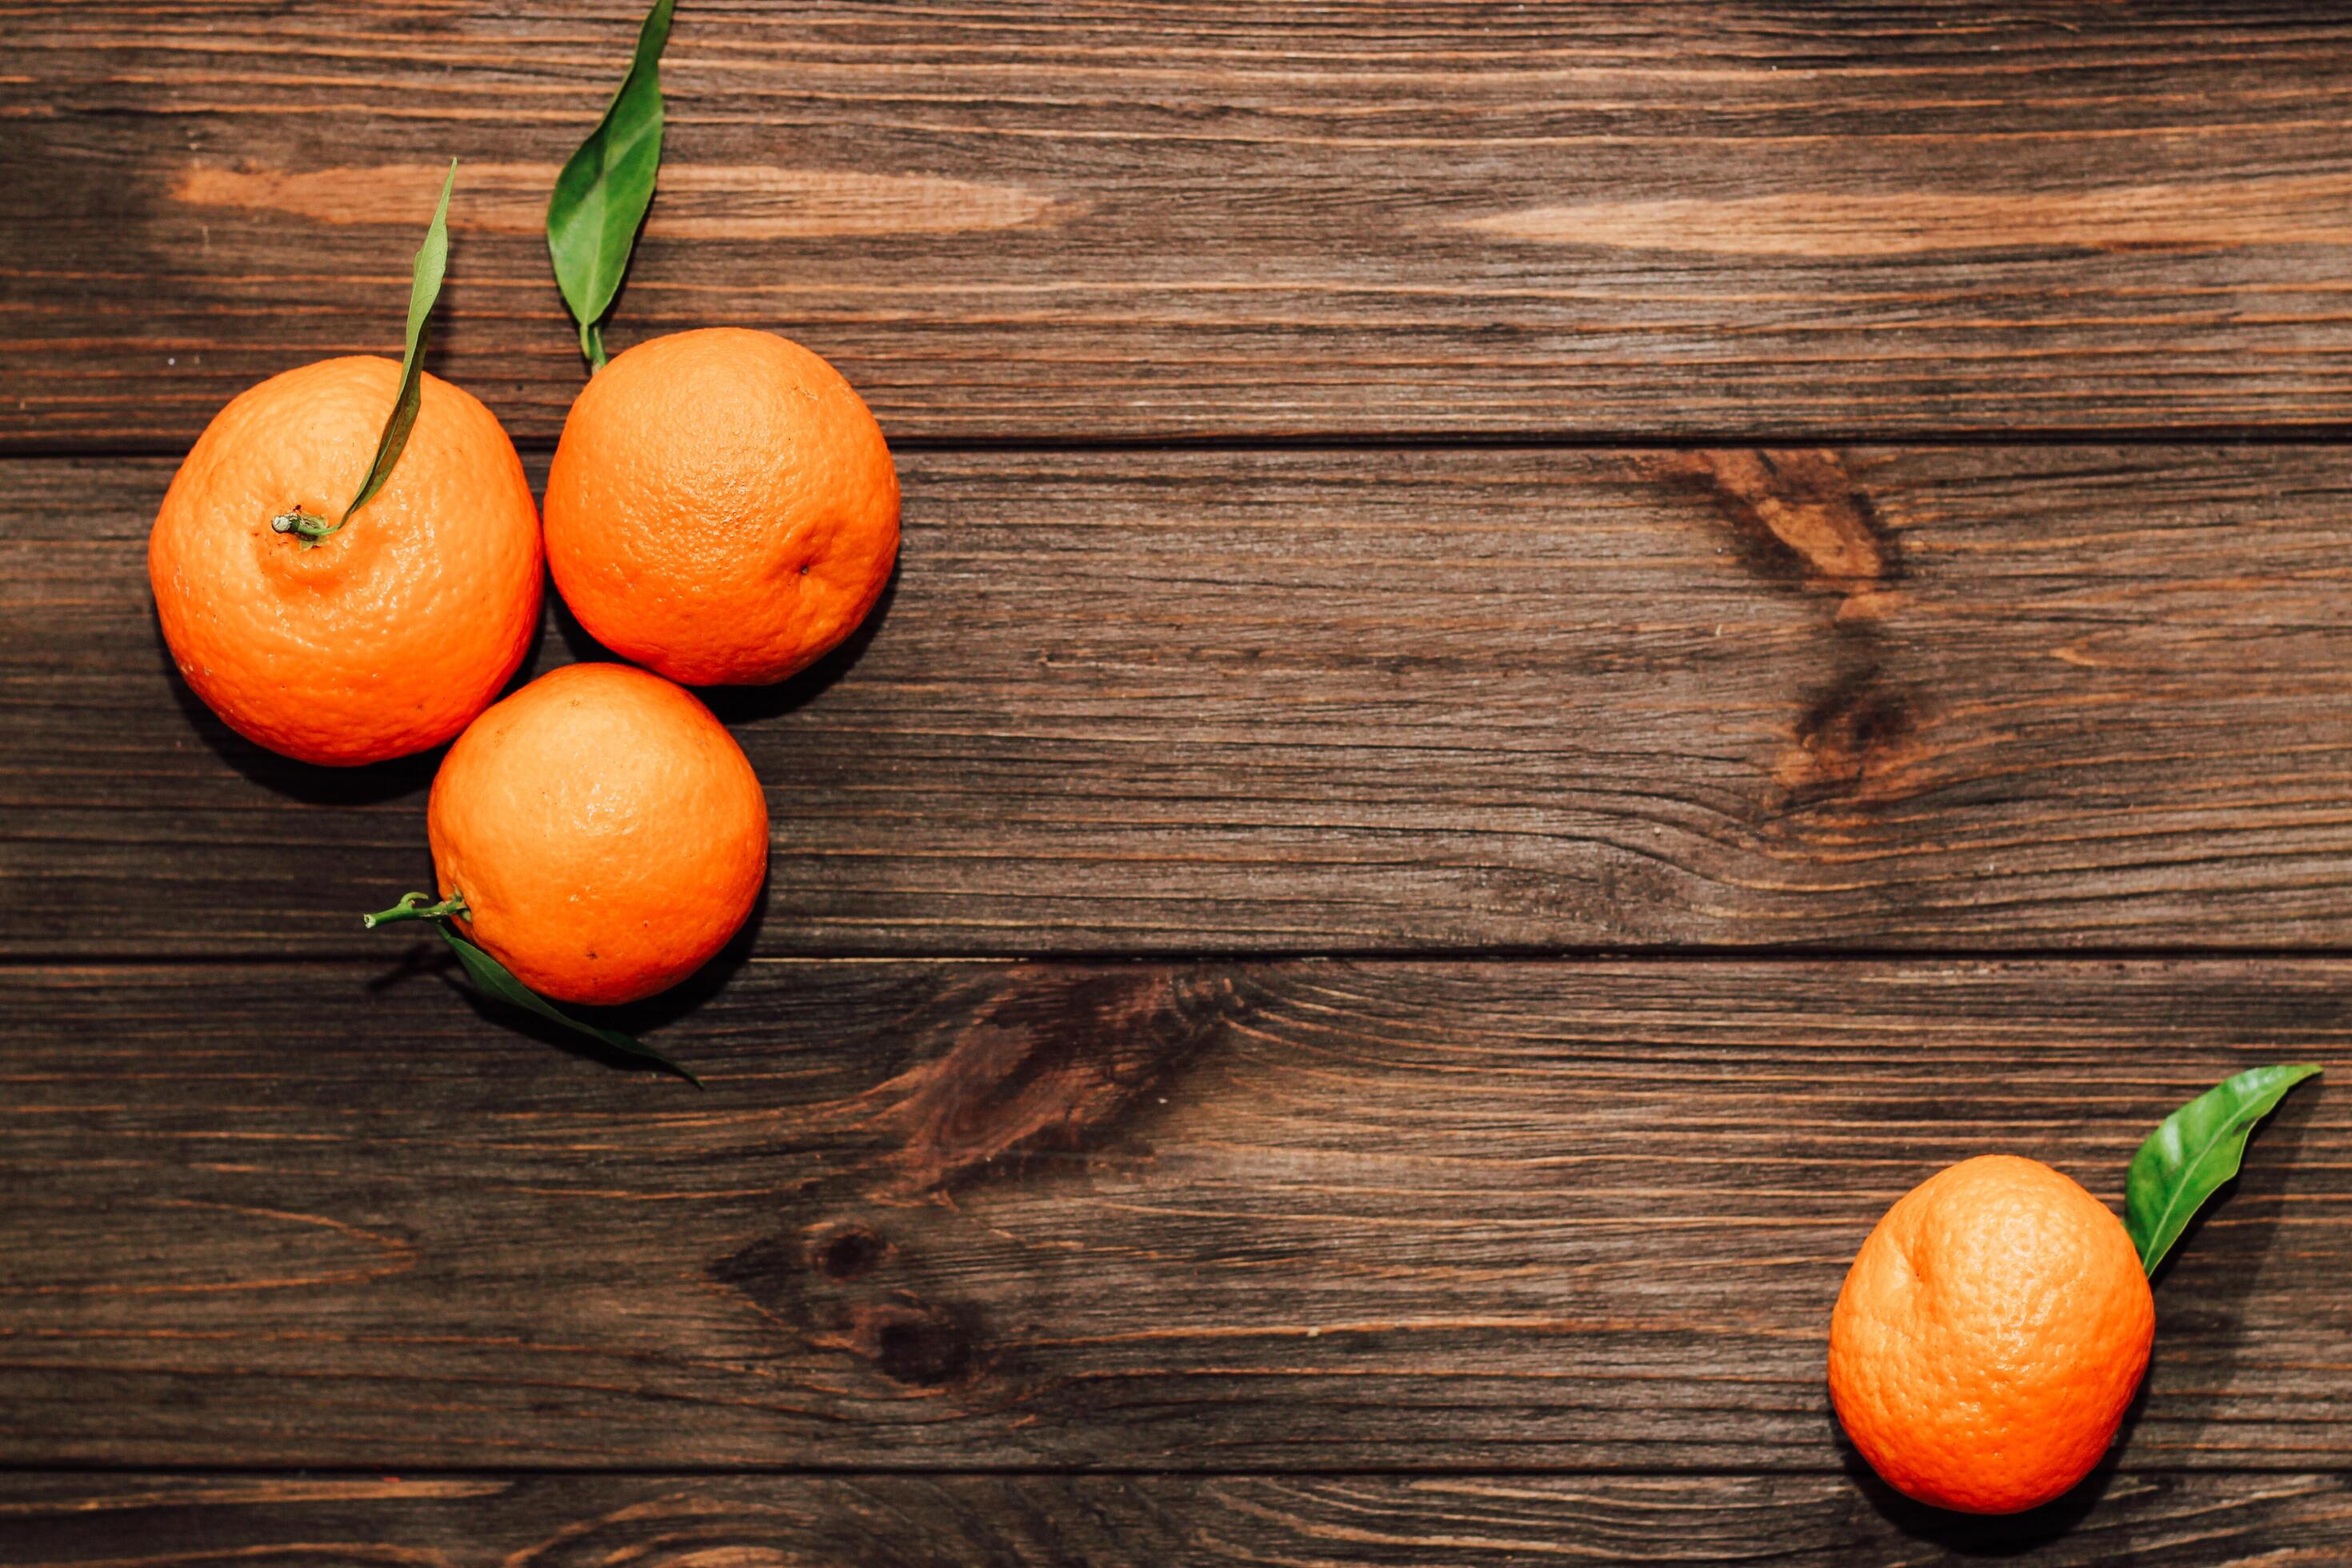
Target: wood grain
(1293,1217)
(1399,700)
(1204,220)
(1136,1521)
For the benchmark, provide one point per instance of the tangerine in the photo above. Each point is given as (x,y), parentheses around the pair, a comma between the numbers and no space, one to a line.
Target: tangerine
(1990,1337)
(604,832)
(391,633)
(721,507)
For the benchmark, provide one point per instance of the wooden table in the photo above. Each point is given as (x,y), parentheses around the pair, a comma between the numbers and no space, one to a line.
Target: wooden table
(1542,654)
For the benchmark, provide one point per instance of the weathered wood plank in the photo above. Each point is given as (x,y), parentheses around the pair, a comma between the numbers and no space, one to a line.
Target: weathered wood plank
(1216,219)
(1145,1521)
(1301,1216)
(1408,699)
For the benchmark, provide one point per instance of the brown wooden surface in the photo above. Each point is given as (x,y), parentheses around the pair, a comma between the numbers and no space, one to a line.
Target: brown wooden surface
(1911,528)
(1956,698)
(1102,219)
(1298,1215)
(1133,1522)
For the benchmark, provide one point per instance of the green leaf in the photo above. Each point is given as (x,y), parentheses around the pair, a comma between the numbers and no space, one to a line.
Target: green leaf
(424,288)
(2193,1151)
(602,193)
(495,979)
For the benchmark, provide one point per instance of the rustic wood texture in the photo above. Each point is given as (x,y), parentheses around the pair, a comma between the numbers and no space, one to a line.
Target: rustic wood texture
(1135,1521)
(1405,499)
(1100,220)
(1953,698)
(1300,1216)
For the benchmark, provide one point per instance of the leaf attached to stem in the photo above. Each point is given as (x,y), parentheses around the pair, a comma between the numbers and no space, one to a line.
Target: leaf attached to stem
(603,189)
(431,266)
(495,979)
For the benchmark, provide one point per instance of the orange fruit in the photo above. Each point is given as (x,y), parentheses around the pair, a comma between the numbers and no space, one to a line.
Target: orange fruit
(605,831)
(389,635)
(1990,1337)
(721,507)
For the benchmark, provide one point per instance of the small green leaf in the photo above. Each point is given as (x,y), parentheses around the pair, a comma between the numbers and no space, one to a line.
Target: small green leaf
(601,195)
(424,288)
(495,979)
(2193,1151)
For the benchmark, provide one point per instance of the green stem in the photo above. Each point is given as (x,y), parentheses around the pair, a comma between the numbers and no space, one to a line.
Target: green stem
(309,531)
(592,343)
(413,907)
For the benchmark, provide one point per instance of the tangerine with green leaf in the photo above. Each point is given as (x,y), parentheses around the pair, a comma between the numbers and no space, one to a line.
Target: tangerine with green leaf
(1995,1325)
(598,833)
(346,567)
(722,506)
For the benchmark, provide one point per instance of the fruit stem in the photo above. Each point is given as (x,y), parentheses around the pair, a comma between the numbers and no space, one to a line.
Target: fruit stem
(309,531)
(413,907)
(592,343)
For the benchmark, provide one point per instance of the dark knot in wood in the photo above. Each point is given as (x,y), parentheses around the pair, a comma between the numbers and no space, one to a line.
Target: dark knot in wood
(1861,741)
(917,1343)
(846,1251)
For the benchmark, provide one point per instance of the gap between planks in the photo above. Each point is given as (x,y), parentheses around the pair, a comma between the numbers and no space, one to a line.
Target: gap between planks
(1334,442)
(1662,954)
(197,1469)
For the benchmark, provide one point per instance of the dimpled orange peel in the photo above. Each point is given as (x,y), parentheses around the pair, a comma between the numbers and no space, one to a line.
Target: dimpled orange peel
(1990,1337)
(600,833)
(388,635)
(721,507)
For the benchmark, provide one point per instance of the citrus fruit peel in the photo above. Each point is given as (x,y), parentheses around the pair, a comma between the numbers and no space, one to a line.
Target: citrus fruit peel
(1998,1321)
